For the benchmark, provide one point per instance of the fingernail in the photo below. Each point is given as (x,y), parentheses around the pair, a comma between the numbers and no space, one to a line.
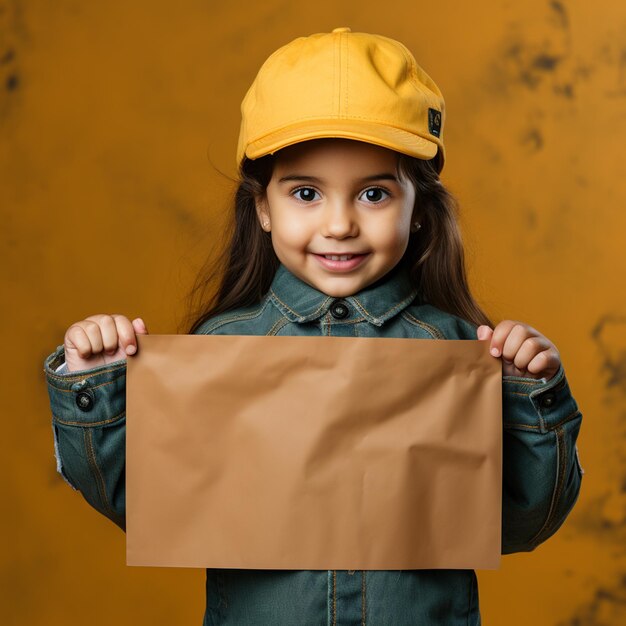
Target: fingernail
(130,349)
(495,351)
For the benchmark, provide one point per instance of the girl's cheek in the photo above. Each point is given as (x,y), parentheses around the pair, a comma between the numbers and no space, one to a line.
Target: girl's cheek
(294,233)
(397,236)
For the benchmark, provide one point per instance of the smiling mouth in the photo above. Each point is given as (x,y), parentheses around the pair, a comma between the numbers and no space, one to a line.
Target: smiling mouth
(341,262)
(340,257)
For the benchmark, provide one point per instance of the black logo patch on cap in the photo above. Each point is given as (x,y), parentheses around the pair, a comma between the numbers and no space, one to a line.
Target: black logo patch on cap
(434,122)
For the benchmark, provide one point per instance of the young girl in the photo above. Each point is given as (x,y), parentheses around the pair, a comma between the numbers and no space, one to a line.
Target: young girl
(341,227)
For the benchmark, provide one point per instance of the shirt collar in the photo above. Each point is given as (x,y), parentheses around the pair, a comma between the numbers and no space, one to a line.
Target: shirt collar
(378,302)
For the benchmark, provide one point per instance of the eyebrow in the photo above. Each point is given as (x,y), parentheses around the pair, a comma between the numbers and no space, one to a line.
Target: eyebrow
(313,179)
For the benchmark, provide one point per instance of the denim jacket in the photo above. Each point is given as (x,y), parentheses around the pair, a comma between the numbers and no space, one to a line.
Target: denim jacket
(541,469)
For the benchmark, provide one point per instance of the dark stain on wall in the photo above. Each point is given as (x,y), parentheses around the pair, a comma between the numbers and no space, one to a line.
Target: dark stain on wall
(178,212)
(566,90)
(602,517)
(12,32)
(529,63)
(560,13)
(607,607)
(533,139)
(606,335)
(545,61)
(12,82)
(9,55)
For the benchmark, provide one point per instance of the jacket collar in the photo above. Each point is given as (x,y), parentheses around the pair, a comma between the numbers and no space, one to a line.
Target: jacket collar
(378,302)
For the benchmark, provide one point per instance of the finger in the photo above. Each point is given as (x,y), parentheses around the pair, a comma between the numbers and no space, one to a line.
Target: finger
(513,345)
(91,326)
(110,337)
(542,361)
(500,335)
(103,329)
(530,348)
(140,326)
(483,332)
(125,333)
(77,338)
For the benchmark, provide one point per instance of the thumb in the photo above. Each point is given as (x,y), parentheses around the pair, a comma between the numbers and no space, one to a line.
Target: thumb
(139,326)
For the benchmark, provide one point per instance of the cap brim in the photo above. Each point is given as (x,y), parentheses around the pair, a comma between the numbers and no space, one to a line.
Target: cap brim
(369,132)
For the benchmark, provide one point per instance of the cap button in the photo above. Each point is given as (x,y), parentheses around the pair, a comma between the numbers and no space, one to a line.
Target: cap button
(342,29)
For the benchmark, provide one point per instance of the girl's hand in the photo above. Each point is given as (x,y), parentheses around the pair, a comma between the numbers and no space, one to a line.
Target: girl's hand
(101,339)
(525,351)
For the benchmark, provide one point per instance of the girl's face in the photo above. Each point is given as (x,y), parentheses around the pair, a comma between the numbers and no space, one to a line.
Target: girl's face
(336,196)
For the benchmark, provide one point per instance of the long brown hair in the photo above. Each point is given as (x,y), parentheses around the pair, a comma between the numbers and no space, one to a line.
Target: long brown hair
(246,264)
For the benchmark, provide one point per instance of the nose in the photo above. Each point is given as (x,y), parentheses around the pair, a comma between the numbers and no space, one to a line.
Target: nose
(339,219)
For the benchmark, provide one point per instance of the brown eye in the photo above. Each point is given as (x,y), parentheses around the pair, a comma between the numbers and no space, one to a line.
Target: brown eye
(308,193)
(373,194)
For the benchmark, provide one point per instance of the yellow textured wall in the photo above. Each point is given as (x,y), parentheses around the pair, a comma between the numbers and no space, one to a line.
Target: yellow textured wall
(109,204)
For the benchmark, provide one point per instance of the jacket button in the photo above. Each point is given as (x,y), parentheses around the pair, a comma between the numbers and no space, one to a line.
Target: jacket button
(84,401)
(339,310)
(547,400)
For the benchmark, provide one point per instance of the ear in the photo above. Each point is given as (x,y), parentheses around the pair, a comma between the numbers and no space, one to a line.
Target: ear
(263,213)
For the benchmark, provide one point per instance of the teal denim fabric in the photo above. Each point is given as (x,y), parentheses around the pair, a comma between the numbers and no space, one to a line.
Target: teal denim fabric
(541,470)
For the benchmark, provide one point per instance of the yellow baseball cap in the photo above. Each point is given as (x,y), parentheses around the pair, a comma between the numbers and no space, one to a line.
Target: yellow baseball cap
(343,84)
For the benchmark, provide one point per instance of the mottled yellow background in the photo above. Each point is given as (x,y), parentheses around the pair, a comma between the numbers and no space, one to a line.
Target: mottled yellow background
(118,126)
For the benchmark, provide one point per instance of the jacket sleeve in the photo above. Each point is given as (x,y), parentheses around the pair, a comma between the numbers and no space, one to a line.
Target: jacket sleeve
(541,470)
(89,431)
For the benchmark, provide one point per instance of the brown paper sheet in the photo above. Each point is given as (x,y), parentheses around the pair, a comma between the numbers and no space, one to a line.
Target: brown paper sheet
(291,452)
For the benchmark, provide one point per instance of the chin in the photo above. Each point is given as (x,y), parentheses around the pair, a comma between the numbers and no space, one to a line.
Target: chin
(335,290)
(338,293)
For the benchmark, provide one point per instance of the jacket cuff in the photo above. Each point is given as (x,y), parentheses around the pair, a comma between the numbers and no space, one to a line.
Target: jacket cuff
(537,403)
(91,397)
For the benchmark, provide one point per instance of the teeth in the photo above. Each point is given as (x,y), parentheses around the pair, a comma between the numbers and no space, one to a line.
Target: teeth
(343,257)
